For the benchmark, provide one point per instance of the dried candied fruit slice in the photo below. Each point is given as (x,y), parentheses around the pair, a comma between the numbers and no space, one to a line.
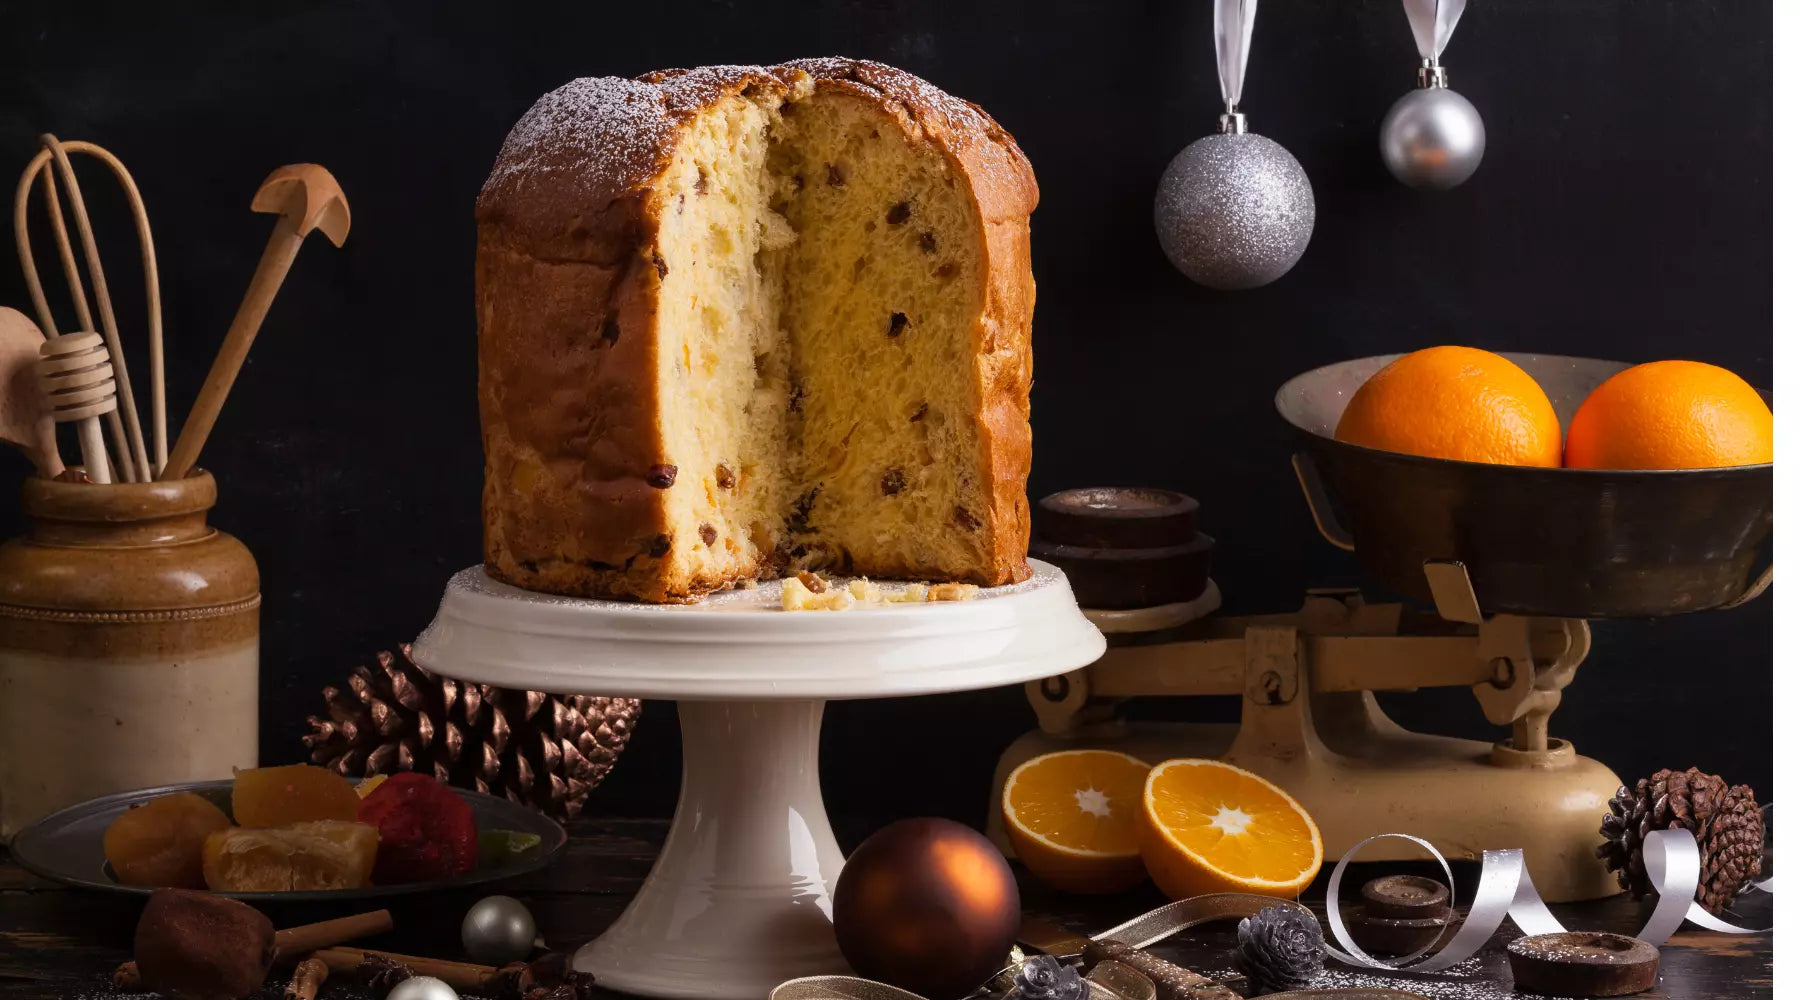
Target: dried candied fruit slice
(427,830)
(326,854)
(158,843)
(293,793)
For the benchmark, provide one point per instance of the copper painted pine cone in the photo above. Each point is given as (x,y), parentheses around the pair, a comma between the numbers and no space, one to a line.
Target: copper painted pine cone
(545,751)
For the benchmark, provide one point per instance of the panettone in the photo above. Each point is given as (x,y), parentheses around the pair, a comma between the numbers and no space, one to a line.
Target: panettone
(737,320)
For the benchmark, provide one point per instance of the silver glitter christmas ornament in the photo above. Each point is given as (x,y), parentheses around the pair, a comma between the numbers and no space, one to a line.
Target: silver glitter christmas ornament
(498,930)
(423,988)
(1432,138)
(1233,210)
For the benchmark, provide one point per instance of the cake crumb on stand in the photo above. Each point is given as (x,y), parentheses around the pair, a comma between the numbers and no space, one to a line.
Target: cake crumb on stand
(808,591)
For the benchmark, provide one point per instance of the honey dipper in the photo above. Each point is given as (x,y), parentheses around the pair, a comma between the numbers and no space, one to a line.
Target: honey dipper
(75,380)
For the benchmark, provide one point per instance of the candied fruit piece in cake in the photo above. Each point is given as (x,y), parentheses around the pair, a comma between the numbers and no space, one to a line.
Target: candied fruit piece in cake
(427,830)
(326,854)
(158,843)
(294,793)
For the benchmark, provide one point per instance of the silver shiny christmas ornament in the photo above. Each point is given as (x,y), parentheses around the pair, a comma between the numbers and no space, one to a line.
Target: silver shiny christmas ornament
(1233,210)
(1433,138)
(423,988)
(498,930)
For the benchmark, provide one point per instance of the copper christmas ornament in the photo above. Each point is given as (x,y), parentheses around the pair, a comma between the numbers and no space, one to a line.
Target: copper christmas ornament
(927,905)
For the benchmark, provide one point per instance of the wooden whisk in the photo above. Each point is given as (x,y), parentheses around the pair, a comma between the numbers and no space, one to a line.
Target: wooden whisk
(134,464)
(76,379)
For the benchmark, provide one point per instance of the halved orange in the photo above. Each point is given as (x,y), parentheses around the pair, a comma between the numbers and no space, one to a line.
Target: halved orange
(1072,816)
(1212,827)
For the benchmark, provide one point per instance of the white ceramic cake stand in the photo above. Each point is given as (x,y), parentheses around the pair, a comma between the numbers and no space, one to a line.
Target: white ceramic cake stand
(740,898)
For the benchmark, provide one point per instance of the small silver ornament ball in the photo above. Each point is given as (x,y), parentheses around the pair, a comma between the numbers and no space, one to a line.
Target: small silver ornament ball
(1234,211)
(1433,138)
(498,930)
(423,988)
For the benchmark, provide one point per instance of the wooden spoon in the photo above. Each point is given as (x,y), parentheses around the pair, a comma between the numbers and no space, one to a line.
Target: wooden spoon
(23,422)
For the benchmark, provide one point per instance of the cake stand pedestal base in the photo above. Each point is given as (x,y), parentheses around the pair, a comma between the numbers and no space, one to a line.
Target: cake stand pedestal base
(739,901)
(740,898)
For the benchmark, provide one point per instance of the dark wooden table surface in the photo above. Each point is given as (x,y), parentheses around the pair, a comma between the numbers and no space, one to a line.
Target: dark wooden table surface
(62,943)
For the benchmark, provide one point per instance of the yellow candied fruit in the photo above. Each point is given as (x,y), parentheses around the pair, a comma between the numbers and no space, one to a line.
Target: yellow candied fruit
(295,793)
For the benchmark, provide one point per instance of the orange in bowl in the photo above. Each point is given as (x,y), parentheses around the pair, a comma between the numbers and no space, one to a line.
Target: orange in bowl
(1457,403)
(1072,817)
(1212,827)
(1671,415)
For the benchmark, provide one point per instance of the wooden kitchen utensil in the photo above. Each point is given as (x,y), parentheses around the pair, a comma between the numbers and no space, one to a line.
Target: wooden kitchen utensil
(75,379)
(305,197)
(128,437)
(24,423)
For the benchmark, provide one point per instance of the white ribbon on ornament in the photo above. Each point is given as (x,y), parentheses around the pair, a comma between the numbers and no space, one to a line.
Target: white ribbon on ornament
(1671,862)
(1432,22)
(1232,22)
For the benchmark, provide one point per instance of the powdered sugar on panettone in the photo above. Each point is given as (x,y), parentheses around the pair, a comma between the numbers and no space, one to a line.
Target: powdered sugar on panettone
(611,134)
(597,130)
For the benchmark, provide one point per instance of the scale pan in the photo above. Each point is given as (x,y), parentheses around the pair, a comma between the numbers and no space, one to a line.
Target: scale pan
(1567,543)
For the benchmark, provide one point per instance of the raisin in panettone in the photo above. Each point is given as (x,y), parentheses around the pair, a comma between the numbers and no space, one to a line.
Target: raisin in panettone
(740,320)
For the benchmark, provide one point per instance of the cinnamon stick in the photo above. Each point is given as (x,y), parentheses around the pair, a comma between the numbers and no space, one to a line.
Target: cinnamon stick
(297,941)
(309,975)
(460,975)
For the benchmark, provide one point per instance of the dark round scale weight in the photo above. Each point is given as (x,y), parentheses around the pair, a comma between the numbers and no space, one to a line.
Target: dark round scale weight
(1501,566)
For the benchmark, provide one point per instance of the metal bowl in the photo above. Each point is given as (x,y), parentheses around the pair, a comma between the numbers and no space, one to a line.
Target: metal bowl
(1570,543)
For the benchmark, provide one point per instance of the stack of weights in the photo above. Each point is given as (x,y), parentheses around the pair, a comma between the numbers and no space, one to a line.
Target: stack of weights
(1124,547)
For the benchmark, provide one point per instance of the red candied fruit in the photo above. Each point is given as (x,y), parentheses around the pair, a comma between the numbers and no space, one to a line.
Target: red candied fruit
(427,831)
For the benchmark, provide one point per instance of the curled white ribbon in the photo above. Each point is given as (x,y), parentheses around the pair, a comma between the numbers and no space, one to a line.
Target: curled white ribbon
(1671,861)
(1432,22)
(1232,21)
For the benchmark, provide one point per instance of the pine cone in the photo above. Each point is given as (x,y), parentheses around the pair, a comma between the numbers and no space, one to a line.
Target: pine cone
(545,751)
(1280,948)
(1724,820)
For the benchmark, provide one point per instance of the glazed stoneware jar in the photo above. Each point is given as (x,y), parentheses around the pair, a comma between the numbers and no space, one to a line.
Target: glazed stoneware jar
(128,645)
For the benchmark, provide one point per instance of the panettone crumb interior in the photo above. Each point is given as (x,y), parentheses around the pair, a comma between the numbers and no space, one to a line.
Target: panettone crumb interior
(821,291)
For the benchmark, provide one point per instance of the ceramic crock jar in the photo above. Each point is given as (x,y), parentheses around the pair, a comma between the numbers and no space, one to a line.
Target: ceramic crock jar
(128,645)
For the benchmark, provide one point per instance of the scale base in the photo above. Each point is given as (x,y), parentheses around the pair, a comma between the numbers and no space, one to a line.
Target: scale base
(1463,796)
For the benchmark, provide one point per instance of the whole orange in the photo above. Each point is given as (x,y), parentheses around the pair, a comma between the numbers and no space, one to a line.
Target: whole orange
(1458,403)
(1671,415)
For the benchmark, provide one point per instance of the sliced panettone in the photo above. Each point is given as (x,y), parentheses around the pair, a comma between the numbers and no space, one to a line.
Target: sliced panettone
(736,320)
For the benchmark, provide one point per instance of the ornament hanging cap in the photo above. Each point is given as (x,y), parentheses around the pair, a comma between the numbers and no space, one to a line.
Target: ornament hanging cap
(1432,22)
(1232,22)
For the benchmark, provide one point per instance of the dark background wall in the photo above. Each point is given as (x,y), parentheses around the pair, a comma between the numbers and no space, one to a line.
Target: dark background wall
(1622,212)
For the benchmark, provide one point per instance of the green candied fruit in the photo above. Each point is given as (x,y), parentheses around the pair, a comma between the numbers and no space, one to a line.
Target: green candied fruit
(505,848)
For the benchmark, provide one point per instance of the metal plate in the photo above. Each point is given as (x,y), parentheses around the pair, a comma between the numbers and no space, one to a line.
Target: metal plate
(66,846)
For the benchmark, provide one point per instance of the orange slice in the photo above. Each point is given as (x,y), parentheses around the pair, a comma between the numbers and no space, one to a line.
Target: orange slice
(1211,827)
(1072,816)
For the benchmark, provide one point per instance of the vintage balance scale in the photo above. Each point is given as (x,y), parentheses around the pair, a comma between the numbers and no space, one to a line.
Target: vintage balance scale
(1513,560)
